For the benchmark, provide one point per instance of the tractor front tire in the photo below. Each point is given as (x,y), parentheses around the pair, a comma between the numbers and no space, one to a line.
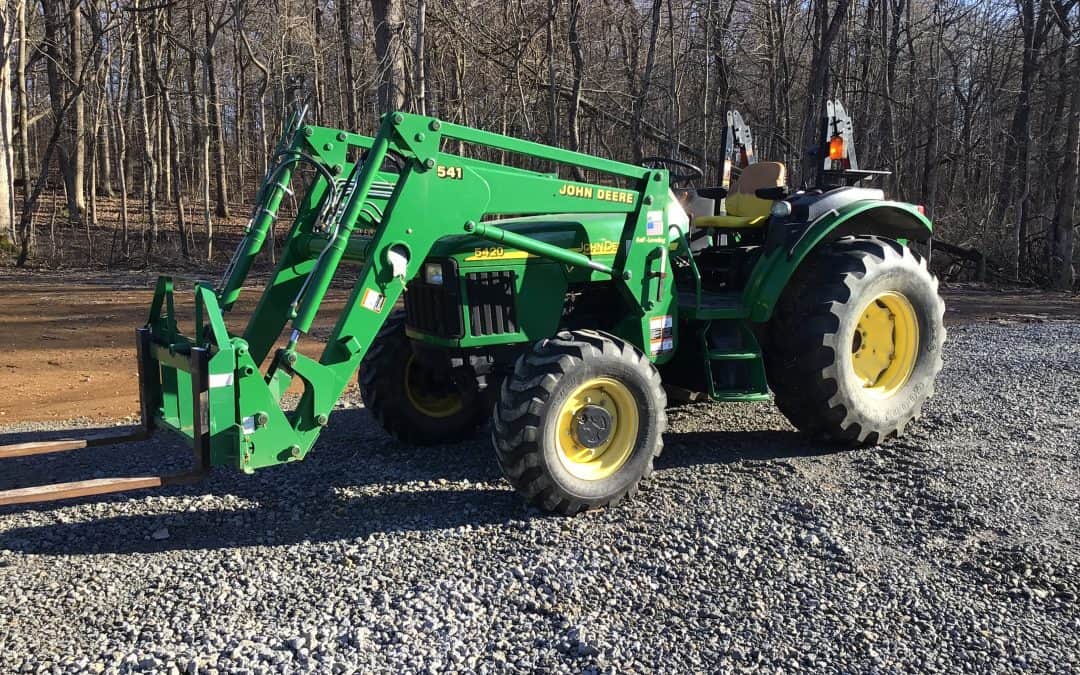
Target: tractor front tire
(855,343)
(412,402)
(579,422)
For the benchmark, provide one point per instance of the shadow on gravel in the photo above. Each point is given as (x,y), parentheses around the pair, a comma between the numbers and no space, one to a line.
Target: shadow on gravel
(318,519)
(356,482)
(727,447)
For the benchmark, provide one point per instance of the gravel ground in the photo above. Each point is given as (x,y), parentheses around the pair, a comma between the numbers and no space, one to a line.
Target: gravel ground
(956,549)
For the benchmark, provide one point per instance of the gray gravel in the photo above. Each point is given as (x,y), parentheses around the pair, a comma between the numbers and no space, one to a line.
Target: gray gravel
(956,549)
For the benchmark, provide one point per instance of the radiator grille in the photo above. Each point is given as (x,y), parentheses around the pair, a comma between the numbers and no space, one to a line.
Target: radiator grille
(435,309)
(492,302)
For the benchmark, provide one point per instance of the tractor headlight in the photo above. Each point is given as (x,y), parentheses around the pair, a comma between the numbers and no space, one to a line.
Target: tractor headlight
(433,274)
(780,209)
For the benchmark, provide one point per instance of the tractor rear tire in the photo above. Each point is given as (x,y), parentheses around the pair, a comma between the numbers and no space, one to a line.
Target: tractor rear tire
(856,340)
(409,400)
(579,422)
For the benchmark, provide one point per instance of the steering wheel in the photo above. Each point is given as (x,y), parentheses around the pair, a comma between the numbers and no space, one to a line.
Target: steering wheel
(393,161)
(689,173)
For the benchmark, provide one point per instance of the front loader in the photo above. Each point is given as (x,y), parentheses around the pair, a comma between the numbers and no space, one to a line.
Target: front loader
(559,312)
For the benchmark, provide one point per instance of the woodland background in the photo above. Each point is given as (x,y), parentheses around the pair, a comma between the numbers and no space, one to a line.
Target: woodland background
(133,133)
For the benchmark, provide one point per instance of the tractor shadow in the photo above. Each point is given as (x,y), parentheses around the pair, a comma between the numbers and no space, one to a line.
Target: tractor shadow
(699,448)
(357,482)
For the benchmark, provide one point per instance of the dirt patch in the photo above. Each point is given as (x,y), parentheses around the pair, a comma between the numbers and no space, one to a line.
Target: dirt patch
(976,302)
(68,349)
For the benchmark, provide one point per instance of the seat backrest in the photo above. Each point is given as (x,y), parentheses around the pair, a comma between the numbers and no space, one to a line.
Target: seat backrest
(741,200)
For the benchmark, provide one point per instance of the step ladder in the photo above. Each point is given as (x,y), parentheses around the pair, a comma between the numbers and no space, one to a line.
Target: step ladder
(734,365)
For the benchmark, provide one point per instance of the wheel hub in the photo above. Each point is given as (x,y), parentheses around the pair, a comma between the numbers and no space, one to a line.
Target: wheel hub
(885,344)
(592,426)
(597,428)
(429,393)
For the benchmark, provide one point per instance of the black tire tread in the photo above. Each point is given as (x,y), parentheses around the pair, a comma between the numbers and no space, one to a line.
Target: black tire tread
(515,428)
(800,352)
(390,346)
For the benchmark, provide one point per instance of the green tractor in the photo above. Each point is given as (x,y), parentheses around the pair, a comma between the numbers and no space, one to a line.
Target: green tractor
(559,312)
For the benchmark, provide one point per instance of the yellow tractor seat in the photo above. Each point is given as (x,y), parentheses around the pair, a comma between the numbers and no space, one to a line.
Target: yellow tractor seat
(744,208)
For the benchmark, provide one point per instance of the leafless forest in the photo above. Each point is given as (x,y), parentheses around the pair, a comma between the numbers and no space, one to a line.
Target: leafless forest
(134,132)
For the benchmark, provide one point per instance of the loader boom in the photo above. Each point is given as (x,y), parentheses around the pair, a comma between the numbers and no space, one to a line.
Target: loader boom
(436,194)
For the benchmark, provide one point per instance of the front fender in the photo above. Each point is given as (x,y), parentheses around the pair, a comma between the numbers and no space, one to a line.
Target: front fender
(895,220)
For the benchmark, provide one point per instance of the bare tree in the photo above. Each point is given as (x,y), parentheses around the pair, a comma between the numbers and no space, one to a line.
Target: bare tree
(826,29)
(390,53)
(1065,221)
(139,68)
(419,55)
(213,23)
(7,179)
(969,105)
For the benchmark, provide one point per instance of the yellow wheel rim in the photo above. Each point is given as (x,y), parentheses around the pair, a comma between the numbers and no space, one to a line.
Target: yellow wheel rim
(611,447)
(885,344)
(432,404)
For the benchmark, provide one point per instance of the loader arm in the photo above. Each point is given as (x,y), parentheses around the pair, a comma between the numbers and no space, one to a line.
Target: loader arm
(223,392)
(437,194)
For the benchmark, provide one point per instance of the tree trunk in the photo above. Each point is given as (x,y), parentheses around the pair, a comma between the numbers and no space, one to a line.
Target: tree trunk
(173,149)
(104,151)
(221,185)
(61,105)
(1014,188)
(240,109)
(826,29)
(78,112)
(389,52)
(578,60)
(418,58)
(1064,226)
(264,84)
(24,112)
(641,95)
(345,25)
(553,96)
(121,171)
(150,161)
(27,215)
(673,126)
(7,182)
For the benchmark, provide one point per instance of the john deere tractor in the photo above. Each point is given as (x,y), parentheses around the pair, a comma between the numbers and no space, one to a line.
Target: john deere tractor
(557,312)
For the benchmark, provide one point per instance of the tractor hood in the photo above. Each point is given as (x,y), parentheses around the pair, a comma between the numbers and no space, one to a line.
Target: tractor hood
(594,234)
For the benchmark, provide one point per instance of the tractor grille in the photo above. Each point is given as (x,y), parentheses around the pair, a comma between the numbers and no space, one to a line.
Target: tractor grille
(492,302)
(435,309)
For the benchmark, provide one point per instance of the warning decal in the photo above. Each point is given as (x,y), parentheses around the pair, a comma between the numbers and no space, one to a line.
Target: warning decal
(654,225)
(373,300)
(660,334)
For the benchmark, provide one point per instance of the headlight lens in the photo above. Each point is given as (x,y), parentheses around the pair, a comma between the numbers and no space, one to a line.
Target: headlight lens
(780,209)
(433,274)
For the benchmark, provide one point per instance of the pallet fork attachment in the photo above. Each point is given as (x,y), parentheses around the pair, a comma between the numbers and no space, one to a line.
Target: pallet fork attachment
(102,486)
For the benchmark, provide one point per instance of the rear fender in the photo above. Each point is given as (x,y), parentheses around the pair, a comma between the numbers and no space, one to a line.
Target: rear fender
(895,220)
